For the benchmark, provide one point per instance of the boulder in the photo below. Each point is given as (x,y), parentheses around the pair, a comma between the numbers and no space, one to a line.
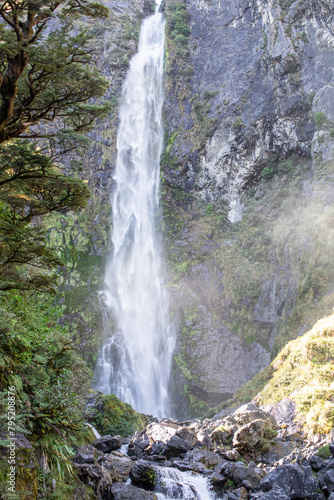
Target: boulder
(143,475)
(280,450)
(188,435)
(232,455)
(86,454)
(122,491)
(176,447)
(295,481)
(241,474)
(275,494)
(316,462)
(160,431)
(249,435)
(249,412)
(205,457)
(106,444)
(331,449)
(119,466)
(326,479)
(237,494)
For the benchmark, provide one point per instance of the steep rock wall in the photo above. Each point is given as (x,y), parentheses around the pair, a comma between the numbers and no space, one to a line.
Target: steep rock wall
(248,182)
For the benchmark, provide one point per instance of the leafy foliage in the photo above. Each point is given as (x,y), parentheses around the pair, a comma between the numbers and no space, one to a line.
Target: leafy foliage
(30,187)
(47,74)
(40,360)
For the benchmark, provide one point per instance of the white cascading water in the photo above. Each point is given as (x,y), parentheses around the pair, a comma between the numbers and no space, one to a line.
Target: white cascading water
(135,359)
(174,484)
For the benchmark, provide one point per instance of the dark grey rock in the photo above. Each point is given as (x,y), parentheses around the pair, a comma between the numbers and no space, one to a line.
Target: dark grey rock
(144,475)
(316,462)
(295,481)
(176,447)
(241,474)
(121,491)
(106,444)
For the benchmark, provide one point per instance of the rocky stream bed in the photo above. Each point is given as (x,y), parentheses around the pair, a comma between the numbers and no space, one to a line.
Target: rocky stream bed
(241,453)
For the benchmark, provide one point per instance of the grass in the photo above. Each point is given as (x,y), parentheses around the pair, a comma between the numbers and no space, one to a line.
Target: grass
(304,371)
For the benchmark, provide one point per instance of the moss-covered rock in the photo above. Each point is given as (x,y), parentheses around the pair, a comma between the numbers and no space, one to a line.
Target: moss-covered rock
(111,416)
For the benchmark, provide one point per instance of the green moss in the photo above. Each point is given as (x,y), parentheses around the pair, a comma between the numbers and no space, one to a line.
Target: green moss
(324,452)
(117,418)
(320,119)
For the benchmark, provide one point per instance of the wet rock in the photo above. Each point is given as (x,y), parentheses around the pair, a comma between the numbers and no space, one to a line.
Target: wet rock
(143,475)
(121,491)
(106,444)
(176,447)
(295,481)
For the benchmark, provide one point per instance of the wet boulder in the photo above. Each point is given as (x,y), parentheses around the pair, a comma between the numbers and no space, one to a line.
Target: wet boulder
(106,444)
(143,475)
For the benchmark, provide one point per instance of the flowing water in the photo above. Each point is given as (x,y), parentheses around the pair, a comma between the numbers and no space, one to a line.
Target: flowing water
(174,484)
(135,359)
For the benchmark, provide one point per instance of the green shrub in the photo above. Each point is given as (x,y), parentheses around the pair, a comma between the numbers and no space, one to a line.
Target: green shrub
(324,452)
(267,173)
(320,119)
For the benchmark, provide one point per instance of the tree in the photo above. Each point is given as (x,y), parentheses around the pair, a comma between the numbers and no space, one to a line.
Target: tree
(31,187)
(46,70)
(46,74)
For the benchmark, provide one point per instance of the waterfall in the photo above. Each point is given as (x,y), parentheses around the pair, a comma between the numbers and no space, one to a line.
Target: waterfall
(134,361)
(172,483)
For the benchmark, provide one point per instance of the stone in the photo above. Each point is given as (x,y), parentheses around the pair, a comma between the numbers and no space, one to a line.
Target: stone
(143,475)
(121,491)
(176,447)
(232,455)
(217,481)
(249,435)
(249,412)
(275,494)
(119,466)
(86,454)
(189,435)
(316,462)
(295,481)
(241,474)
(331,449)
(106,444)
(206,457)
(160,431)
(280,450)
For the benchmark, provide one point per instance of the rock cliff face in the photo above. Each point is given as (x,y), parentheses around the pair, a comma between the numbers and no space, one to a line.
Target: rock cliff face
(247,187)
(249,113)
